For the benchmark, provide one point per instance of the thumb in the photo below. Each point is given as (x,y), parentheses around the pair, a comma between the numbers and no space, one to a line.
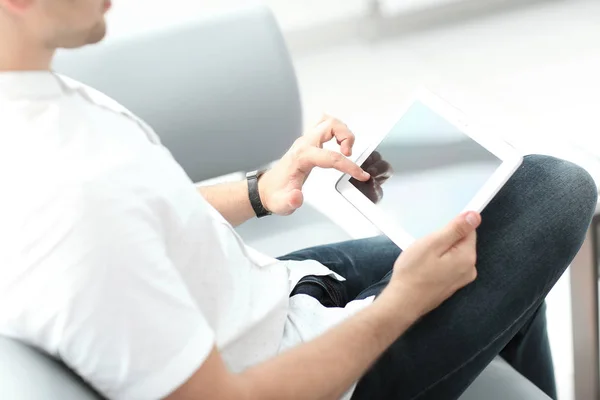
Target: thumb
(458,229)
(295,199)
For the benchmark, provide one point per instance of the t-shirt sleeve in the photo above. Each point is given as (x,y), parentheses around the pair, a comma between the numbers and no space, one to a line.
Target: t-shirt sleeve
(113,307)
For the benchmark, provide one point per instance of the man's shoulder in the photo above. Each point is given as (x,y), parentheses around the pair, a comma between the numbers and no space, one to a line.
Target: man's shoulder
(100,99)
(93,95)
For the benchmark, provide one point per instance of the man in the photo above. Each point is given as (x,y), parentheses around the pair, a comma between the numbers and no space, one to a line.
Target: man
(114,263)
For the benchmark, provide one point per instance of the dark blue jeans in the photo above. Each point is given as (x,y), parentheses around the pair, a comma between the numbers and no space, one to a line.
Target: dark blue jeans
(529,235)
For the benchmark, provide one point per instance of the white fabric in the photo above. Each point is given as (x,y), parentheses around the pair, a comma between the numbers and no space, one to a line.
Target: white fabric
(111,261)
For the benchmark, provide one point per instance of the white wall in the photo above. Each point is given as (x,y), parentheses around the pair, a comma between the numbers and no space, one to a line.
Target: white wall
(132,16)
(394,6)
(135,16)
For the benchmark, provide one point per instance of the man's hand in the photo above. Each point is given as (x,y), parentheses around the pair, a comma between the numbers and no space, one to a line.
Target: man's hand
(435,267)
(281,187)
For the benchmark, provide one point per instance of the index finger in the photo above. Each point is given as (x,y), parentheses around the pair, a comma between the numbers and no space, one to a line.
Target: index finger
(380,170)
(317,157)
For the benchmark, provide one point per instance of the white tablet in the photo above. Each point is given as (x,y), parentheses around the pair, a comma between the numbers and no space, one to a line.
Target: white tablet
(429,168)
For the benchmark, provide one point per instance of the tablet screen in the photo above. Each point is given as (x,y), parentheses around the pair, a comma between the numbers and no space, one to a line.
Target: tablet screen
(426,171)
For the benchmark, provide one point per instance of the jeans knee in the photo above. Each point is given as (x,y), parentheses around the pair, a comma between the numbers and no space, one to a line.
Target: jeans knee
(570,187)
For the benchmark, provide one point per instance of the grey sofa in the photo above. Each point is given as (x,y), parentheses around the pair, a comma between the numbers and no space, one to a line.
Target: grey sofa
(222,95)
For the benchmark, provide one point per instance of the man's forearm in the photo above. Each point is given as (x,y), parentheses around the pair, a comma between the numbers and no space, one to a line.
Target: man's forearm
(231,201)
(326,367)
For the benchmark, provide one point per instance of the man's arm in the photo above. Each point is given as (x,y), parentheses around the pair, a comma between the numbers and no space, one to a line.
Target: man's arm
(425,275)
(280,188)
(321,369)
(231,200)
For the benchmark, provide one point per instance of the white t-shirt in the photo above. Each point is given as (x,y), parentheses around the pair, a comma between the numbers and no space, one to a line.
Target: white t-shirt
(110,259)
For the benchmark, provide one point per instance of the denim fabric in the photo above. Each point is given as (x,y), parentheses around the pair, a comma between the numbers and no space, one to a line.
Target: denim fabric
(329,291)
(529,235)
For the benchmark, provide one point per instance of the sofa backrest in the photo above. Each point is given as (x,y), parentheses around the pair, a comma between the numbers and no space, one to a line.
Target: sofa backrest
(221,94)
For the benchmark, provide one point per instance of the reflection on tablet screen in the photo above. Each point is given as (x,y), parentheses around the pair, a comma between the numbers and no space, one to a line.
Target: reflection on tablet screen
(425,171)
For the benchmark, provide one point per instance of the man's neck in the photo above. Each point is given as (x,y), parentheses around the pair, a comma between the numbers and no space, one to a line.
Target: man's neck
(24,60)
(19,54)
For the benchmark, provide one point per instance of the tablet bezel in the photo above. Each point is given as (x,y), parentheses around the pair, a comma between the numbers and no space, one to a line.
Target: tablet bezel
(510,157)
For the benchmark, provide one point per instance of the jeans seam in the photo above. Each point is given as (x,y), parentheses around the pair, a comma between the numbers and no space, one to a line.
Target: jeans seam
(445,377)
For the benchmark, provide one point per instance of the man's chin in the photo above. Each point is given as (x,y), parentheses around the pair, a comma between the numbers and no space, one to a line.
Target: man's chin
(91,37)
(97,34)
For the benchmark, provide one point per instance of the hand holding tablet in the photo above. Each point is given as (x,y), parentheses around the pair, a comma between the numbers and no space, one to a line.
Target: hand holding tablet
(429,168)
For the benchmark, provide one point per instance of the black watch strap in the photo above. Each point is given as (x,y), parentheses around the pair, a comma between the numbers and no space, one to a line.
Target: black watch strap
(255,201)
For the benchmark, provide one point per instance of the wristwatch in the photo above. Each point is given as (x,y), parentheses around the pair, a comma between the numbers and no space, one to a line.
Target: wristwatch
(255,201)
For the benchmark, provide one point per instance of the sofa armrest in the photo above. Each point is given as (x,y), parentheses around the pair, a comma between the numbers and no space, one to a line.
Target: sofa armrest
(27,374)
(500,381)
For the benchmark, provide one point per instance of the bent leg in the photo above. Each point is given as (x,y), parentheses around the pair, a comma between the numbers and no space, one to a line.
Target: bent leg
(362,262)
(529,353)
(530,233)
